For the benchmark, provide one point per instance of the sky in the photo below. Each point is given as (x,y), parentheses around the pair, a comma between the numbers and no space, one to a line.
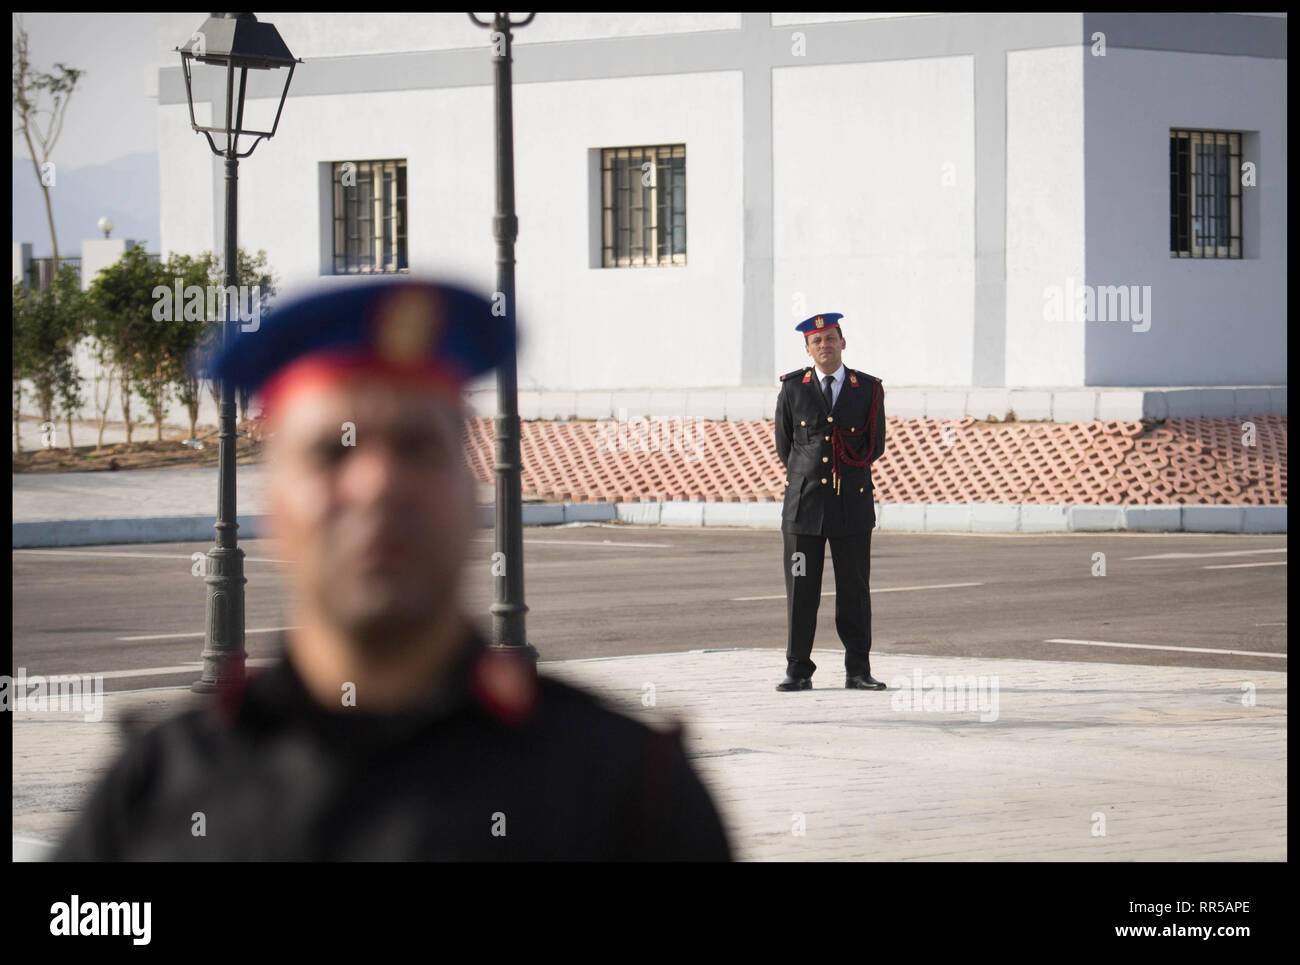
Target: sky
(113,111)
(106,155)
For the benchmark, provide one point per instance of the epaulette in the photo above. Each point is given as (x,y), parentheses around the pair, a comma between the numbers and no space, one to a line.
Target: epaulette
(229,700)
(790,375)
(865,375)
(505,685)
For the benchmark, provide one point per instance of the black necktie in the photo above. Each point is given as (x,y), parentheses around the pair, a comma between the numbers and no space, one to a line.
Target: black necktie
(827,382)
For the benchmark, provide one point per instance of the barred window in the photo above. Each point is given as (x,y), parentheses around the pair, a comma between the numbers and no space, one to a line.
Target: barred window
(369,217)
(643,202)
(1204,194)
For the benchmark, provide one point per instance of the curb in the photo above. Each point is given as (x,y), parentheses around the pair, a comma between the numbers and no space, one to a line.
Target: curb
(892,517)
(122,531)
(983,517)
(197,529)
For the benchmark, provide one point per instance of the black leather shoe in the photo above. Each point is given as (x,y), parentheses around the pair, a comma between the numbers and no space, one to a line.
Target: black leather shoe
(795,683)
(862,681)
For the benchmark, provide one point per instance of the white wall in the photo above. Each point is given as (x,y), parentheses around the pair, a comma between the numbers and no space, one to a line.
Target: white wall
(279,185)
(22,259)
(1045,212)
(864,222)
(1213,322)
(186,168)
(100,253)
(628,327)
(580,326)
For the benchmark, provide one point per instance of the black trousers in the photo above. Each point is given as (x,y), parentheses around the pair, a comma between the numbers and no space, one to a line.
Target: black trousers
(851,556)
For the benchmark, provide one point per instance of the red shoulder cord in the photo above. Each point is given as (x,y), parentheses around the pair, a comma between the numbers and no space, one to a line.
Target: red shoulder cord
(842,454)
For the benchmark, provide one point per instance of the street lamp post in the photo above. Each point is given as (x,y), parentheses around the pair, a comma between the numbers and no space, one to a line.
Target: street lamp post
(233,43)
(509,609)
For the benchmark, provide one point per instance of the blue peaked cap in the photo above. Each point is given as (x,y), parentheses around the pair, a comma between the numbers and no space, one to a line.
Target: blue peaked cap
(819,322)
(411,322)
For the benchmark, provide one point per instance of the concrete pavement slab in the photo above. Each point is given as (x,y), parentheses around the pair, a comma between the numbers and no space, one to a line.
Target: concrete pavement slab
(130,493)
(962,759)
(1081,761)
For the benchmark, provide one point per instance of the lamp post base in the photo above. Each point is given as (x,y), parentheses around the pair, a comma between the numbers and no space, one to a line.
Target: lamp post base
(225,678)
(224,655)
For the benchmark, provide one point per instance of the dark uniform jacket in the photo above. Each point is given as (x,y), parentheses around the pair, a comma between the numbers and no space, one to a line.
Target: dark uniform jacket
(277,776)
(806,434)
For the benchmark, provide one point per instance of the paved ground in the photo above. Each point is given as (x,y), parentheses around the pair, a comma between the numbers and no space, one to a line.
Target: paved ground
(135,493)
(1167,762)
(1055,761)
(114,495)
(1158,741)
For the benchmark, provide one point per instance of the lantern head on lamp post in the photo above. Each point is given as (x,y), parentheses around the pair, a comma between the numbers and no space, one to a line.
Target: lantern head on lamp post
(235,43)
(229,44)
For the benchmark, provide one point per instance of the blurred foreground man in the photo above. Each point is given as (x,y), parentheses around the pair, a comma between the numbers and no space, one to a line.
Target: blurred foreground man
(391,730)
(830,428)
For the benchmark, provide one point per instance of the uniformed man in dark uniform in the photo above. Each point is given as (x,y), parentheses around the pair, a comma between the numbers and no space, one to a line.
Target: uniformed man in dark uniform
(830,428)
(390,730)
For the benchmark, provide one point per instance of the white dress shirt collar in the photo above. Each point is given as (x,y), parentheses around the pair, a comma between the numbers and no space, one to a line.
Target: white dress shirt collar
(837,375)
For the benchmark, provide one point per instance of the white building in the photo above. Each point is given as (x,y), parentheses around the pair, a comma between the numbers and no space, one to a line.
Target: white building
(949,182)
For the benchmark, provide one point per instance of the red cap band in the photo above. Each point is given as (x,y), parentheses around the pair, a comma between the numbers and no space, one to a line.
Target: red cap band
(326,368)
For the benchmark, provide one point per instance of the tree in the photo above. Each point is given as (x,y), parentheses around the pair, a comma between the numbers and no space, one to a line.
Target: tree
(69,308)
(154,341)
(103,375)
(30,88)
(46,328)
(122,302)
(188,337)
(153,377)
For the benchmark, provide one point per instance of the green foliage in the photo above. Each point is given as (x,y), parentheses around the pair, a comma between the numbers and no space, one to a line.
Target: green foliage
(24,355)
(156,345)
(46,328)
(189,338)
(121,303)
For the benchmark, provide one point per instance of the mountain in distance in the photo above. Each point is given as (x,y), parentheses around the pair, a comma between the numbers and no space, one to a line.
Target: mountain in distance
(125,189)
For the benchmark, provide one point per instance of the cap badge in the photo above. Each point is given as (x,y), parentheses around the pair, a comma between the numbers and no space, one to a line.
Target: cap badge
(408,321)
(819,322)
